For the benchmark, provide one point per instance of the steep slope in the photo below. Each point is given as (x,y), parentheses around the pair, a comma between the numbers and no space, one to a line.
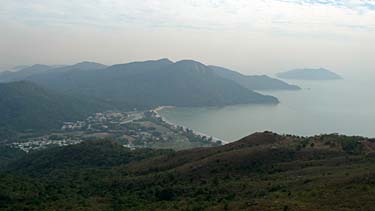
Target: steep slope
(153,83)
(26,106)
(254,82)
(190,83)
(309,74)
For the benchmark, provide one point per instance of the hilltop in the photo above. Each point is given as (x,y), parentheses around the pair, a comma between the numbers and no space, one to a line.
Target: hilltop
(23,72)
(153,83)
(263,171)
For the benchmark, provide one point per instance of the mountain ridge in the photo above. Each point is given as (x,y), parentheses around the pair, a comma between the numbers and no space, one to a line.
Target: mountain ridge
(153,83)
(23,73)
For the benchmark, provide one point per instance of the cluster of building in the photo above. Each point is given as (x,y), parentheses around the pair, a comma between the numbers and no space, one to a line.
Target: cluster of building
(100,121)
(131,129)
(78,125)
(43,143)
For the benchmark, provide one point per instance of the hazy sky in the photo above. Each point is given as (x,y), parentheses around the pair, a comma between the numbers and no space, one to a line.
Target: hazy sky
(251,36)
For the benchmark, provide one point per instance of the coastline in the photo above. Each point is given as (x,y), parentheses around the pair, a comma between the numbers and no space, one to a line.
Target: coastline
(158,109)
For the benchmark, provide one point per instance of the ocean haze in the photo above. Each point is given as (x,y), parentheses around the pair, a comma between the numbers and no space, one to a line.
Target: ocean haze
(249,53)
(343,106)
(253,37)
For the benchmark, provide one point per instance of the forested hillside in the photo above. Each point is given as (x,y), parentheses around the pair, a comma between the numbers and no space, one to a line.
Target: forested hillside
(153,83)
(264,171)
(28,107)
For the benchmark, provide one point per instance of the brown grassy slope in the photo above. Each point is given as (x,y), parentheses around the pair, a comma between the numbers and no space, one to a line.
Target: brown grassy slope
(256,150)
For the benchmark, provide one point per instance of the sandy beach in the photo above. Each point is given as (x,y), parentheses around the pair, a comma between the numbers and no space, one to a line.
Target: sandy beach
(156,110)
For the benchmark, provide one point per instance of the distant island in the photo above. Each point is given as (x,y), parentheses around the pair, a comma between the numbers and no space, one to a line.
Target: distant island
(309,74)
(253,82)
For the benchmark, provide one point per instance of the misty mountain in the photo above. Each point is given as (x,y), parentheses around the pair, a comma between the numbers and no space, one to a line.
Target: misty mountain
(27,106)
(18,67)
(81,66)
(23,73)
(309,74)
(141,67)
(253,82)
(152,83)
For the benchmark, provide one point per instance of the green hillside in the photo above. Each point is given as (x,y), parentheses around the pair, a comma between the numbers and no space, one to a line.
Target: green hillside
(264,171)
(153,83)
(28,107)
